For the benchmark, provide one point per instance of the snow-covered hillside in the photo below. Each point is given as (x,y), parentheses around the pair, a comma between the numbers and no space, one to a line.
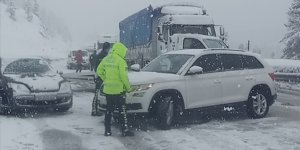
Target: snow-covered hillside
(23,38)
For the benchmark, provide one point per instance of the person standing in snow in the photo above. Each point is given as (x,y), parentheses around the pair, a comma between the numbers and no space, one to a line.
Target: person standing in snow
(113,71)
(93,61)
(79,60)
(98,81)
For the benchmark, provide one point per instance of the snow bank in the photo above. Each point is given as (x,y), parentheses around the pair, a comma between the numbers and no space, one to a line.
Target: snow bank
(21,38)
(285,65)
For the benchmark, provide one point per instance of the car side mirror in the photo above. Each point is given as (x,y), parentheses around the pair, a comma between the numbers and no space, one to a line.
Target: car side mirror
(135,67)
(195,70)
(60,72)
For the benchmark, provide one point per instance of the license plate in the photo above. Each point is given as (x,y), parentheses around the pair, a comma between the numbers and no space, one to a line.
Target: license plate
(45,97)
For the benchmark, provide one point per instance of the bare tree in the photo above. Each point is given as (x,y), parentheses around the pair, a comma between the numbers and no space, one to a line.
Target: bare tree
(36,8)
(11,9)
(28,9)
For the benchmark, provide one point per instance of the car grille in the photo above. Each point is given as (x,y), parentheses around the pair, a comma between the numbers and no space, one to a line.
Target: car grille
(41,103)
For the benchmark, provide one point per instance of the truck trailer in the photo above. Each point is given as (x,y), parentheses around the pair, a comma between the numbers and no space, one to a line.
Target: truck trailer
(148,32)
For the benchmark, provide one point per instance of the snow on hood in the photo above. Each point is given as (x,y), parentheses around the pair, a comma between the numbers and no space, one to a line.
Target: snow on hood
(46,82)
(137,78)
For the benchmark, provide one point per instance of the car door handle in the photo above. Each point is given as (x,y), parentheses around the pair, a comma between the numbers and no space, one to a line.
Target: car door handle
(249,78)
(217,81)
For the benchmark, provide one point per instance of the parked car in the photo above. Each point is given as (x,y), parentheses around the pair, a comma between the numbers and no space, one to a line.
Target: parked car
(34,84)
(71,62)
(196,79)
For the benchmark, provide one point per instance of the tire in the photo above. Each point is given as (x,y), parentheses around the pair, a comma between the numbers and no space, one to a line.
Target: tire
(4,111)
(165,113)
(258,105)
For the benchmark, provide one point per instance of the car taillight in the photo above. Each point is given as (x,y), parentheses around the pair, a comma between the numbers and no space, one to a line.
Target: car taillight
(272,75)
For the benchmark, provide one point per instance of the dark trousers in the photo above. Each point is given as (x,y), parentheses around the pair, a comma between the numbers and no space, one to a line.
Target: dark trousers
(98,83)
(114,101)
(92,67)
(79,68)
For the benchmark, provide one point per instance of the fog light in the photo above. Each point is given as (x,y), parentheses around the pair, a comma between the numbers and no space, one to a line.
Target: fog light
(141,94)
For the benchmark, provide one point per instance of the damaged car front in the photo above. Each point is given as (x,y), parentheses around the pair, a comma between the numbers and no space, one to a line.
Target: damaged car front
(34,84)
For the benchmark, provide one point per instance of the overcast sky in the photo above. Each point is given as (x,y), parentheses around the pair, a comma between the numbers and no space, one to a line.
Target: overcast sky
(260,21)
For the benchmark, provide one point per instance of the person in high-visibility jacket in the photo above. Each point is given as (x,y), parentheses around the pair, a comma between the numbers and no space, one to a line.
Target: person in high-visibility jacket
(113,70)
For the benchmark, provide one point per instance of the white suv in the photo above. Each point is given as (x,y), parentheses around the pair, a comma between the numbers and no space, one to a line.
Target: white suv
(194,79)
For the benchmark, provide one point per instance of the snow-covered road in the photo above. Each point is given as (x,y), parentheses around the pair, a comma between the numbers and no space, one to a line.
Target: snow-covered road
(76,129)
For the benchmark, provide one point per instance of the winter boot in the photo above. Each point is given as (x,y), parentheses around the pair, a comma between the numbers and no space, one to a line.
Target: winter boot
(107,133)
(95,111)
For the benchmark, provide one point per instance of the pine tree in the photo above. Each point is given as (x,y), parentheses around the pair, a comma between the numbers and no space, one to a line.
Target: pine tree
(292,38)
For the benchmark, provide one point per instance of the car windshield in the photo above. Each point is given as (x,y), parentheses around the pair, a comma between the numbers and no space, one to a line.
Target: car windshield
(211,43)
(195,29)
(22,66)
(169,63)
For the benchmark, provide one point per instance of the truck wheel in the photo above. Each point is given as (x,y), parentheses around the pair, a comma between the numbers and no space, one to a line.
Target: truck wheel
(165,114)
(257,106)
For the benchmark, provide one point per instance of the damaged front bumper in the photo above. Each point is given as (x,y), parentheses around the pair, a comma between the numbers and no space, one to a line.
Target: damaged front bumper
(40,100)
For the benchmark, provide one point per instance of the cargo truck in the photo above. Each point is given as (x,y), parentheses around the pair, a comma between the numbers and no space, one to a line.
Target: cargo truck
(155,30)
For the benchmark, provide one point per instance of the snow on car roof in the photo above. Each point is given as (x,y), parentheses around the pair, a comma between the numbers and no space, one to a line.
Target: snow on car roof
(196,36)
(184,10)
(201,51)
(191,19)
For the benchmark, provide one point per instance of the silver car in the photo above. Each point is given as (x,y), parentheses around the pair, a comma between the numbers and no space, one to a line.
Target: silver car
(34,84)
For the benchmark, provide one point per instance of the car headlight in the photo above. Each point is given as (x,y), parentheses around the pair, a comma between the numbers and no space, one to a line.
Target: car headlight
(65,87)
(142,87)
(19,89)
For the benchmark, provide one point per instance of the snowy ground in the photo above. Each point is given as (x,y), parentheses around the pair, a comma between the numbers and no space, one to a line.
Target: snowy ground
(76,129)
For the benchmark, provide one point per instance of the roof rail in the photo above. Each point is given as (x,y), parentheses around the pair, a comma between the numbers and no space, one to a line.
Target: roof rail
(226,49)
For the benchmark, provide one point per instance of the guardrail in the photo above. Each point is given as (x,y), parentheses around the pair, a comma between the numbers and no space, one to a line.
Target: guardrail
(287,83)
(288,77)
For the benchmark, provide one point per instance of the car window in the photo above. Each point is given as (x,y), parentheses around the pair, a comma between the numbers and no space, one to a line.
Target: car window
(209,63)
(214,43)
(231,61)
(250,62)
(170,63)
(190,43)
(27,66)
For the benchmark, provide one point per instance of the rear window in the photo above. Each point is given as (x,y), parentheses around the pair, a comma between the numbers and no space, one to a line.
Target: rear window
(250,62)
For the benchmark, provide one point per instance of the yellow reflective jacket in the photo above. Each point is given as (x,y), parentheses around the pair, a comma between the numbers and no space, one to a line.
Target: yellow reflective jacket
(113,70)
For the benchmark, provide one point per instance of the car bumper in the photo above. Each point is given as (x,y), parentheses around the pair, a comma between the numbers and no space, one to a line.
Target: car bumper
(40,101)
(136,105)
(274,97)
